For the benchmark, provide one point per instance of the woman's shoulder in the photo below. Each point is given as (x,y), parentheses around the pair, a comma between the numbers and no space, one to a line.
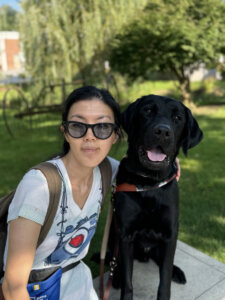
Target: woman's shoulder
(32,178)
(31,198)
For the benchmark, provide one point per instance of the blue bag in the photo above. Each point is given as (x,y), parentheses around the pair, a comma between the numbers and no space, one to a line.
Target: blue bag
(48,289)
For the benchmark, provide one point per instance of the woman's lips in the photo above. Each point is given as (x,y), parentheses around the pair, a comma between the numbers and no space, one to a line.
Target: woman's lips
(90,149)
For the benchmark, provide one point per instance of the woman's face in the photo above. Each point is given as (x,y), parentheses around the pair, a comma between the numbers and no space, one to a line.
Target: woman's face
(88,150)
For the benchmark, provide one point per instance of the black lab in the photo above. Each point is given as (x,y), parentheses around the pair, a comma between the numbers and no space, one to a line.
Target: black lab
(147,219)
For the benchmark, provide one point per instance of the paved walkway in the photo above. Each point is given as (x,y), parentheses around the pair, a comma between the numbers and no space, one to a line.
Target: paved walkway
(205,278)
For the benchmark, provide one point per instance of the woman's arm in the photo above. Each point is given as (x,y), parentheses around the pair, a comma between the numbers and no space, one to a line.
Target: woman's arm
(22,242)
(178,169)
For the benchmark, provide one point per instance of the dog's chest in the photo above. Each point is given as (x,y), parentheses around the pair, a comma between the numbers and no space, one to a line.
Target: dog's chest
(147,215)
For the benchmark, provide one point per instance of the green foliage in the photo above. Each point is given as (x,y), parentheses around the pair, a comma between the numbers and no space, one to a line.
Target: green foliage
(65,38)
(172,36)
(8,18)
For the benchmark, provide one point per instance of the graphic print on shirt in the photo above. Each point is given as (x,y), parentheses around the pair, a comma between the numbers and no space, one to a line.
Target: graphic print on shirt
(73,239)
(76,239)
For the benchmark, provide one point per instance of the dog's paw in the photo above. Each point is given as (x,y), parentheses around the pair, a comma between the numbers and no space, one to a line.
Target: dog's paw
(178,275)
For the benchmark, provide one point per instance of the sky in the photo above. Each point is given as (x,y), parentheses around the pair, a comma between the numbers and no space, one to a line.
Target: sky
(13,3)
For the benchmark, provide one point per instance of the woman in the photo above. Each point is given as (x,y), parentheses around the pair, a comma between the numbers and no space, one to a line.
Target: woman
(85,146)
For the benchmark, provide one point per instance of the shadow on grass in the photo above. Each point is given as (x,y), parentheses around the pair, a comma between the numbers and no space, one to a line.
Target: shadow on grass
(209,99)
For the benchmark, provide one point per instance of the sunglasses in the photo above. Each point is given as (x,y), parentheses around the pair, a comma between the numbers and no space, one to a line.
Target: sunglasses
(101,131)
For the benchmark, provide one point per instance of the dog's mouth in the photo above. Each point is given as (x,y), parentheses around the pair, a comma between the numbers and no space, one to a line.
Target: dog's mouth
(153,158)
(156,155)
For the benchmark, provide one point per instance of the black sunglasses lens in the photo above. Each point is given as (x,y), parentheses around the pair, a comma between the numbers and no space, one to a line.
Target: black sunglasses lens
(77,130)
(103,130)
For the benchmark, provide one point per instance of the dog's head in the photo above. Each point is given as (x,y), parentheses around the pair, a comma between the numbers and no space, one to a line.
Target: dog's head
(157,127)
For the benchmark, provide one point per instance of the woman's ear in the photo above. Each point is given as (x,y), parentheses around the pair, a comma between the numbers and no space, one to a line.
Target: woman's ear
(116,136)
(115,139)
(62,129)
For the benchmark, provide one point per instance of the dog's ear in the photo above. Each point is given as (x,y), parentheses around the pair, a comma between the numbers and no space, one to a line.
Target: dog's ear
(192,133)
(128,116)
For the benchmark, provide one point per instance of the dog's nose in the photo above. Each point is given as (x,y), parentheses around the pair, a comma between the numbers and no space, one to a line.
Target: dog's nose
(162,131)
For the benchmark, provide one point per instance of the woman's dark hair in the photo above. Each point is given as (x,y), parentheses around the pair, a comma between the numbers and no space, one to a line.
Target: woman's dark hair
(88,93)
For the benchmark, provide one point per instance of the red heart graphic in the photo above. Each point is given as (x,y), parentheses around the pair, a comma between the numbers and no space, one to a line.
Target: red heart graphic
(75,242)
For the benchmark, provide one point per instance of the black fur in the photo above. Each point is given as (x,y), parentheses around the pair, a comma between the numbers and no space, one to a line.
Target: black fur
(148,221)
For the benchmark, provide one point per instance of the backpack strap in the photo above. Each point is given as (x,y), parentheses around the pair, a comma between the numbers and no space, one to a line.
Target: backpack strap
(4,206)
(106,174)
(54,181)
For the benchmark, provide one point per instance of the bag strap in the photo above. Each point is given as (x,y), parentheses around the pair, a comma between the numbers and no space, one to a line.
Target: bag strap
(5,202)
(54,181)
(106,174)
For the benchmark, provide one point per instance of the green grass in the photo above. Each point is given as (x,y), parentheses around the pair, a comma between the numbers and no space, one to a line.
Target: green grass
(30,146)
(202,209)
(202,217)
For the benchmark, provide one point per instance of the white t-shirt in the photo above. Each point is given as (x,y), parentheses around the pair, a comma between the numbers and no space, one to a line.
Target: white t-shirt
(72,229)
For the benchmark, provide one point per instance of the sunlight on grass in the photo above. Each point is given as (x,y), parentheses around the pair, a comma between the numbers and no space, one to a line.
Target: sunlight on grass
(153,87)
(209,246)
(191,164)
(219,220)
(220,180)
(47,123)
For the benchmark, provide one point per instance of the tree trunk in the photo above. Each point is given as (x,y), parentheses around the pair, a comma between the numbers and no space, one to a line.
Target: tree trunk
(185,91)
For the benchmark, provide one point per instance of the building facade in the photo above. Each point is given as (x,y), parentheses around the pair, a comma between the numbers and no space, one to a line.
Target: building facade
(11,58)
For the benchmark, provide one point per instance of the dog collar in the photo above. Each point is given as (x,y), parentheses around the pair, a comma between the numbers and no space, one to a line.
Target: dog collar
(126,187)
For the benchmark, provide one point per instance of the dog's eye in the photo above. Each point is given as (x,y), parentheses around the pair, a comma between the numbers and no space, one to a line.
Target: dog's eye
(177,118)
(148,111)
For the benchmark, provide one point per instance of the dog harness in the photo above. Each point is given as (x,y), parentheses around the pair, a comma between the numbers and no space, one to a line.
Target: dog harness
(126,187)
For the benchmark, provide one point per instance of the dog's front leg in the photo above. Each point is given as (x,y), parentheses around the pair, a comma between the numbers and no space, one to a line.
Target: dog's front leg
(126,252)
(167,251)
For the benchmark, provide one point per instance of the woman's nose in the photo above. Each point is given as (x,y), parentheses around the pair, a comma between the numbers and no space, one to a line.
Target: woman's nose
(89,134)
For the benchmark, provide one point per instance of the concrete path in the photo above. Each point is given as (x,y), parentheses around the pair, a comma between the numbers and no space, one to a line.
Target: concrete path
(205,278)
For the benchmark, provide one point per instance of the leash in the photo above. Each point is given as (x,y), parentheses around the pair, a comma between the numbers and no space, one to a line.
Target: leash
(104,248)
(124,187)
(113,263)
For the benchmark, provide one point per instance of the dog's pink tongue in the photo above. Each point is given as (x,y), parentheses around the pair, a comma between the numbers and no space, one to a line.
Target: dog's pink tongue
(156,155)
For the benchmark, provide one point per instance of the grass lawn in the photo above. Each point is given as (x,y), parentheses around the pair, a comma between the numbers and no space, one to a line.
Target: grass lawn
(28,148)
(202,208)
